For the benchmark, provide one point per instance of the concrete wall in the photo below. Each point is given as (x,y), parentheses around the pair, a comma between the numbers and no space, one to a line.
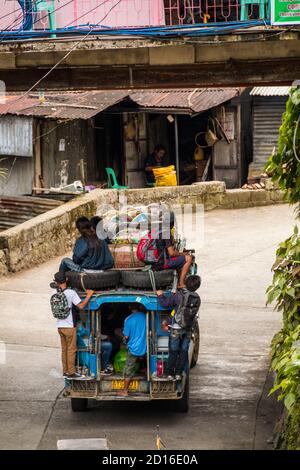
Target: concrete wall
(53,233)
(50,234)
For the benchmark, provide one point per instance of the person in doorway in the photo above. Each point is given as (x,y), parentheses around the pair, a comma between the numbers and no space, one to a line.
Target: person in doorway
(112,328)
(155,160)
(89,253)
(169,256)
(67,326)
(180,337)
(135,337)
(106,350)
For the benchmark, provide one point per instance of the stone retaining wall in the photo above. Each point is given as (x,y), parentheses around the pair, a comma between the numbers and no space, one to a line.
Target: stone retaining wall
(50,234)
(53,233)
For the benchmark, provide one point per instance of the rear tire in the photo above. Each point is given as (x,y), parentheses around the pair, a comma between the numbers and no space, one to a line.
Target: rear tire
(79,404)
(196,334)
(95,281)
(141,279)
(182,405)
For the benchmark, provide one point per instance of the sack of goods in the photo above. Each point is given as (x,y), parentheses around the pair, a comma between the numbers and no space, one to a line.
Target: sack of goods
(125,256)
(165,176)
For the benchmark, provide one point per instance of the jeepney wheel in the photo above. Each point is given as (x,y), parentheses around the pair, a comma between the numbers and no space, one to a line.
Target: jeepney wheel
(182,405)
(79,404)
(196,334)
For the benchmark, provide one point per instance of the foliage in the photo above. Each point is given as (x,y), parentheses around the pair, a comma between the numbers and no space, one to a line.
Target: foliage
(284,165)
(285,289)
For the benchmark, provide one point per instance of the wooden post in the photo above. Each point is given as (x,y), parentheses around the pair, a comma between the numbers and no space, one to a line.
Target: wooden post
(37,157)
(176,147)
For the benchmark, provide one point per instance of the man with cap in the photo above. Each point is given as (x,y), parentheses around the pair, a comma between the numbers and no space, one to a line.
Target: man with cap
(67,326)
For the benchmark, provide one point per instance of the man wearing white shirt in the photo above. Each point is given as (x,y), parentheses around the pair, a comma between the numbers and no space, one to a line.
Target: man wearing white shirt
(67,326)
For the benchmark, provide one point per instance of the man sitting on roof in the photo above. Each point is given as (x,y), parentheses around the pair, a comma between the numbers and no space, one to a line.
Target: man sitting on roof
(89,253)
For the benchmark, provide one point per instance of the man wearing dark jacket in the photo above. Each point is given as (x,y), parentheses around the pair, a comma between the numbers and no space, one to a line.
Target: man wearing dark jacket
(179,339)
(89,252)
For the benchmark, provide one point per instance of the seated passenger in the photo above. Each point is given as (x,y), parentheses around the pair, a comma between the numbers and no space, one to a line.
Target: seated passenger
(180,336)
(135,336)
(169,257)
(89,253)
(106,350)
(111,327)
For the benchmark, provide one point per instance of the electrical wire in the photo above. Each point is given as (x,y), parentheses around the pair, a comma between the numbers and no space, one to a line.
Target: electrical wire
(8,14)
(151,32)
(84,14)
(62,59)
(35,19)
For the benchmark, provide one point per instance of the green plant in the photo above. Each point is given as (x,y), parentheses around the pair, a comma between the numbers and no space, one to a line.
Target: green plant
(285,290)
(284,165)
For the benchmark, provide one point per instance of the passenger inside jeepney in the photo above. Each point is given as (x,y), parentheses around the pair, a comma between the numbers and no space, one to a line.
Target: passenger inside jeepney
(112,326)
(113,321)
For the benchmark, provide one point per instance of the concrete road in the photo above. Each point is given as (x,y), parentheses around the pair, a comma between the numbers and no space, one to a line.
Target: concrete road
(229,408)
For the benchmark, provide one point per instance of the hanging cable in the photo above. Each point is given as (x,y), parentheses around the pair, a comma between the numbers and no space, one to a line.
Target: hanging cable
(62,59)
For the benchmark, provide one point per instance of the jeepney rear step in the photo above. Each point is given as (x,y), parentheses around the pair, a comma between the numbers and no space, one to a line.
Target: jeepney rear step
(130,397)
(83,388)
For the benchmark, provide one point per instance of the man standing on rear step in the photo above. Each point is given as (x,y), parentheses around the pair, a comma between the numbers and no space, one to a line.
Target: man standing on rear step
(135,337)
(67,326)
(185,303)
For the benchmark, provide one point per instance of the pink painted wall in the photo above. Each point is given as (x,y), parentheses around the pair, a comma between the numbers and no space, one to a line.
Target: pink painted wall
(79,12)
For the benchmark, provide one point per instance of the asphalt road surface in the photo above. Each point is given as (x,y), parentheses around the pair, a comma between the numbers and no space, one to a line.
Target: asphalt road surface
(229,408)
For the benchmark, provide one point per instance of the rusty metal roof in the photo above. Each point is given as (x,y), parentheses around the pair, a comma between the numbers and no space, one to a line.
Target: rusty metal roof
(86,104)
(193,100)
(67,105)
(270,91)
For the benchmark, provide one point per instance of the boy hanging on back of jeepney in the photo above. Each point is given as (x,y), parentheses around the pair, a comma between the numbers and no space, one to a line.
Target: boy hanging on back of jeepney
(185,303)
(62,305)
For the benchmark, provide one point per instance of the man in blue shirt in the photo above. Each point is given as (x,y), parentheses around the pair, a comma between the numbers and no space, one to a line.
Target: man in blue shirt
(135,336)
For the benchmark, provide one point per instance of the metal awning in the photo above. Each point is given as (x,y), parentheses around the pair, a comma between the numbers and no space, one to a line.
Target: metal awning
(183,101)
(86,104)
(67,105)
(270,91)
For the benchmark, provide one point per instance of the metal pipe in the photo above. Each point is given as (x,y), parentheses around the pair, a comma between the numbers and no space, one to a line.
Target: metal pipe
(176,147)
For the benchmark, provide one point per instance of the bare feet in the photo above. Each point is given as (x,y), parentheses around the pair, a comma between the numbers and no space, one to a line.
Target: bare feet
(181,286)
(122,393)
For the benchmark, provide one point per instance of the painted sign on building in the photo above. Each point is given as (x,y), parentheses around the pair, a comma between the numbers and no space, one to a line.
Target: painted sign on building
(285,12)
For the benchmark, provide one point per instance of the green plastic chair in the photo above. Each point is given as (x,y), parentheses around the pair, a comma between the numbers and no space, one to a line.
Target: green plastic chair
(44,5)
(262,10)
(112,182)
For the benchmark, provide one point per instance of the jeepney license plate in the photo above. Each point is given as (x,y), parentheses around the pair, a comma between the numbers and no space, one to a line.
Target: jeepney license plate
(119,385)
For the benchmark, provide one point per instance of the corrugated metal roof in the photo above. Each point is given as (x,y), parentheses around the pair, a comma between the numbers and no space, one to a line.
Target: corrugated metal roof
(16,210)
(195,100)
(84,105)
(67,105)
(270,91)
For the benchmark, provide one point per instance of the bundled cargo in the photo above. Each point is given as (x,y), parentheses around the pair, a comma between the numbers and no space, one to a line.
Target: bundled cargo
(165,176)
(124,255)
